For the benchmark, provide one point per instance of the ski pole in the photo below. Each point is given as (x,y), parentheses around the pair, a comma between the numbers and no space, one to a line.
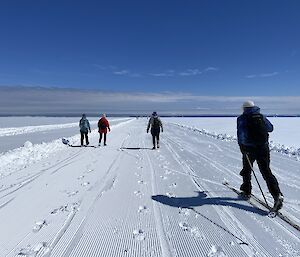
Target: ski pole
(256,179)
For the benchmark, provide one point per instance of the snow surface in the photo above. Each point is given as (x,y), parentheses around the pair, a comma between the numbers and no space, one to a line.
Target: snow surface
(127,200)
(44,131)
(286,129)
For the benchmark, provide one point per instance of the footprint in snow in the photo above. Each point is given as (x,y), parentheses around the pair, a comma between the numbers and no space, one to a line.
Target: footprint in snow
(62,208)
(142,208)
(138,193)
(184,211)
(137,174)
(170,194)
(168,172)
(39,225)
(89,171)
(173,185)
(195,232)
(32,251)
(184,226)
(72,193)
(80,177)
(141,182)
(138,235)
(216,251)
(163,177)
(84,184)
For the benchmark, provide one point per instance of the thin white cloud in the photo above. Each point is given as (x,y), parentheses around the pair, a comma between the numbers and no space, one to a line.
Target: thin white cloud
(190,72)
(252,76)
(262,75)
(121,72)
(211,69)
(272,74)
(194,72)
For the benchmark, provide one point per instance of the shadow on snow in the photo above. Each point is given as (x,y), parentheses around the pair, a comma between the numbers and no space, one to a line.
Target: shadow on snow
(136,148)
(202,199)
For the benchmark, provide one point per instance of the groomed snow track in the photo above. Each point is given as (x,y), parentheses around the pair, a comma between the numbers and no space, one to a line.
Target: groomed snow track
(128,200)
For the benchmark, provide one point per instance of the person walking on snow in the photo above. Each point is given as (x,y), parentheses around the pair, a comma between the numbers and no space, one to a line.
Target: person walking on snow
(103,125)
(155,124)
(84,126)
(253,135)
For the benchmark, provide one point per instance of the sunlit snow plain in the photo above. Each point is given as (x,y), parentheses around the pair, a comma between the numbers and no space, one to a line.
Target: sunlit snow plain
(125,199)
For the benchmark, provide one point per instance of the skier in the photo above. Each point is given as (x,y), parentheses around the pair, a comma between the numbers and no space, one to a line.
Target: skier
(155,124)
(84,126)
(253,136)
(103,125)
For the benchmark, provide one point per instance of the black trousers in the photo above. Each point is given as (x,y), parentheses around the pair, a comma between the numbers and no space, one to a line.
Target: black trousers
(101,135)
(155,136)
(84,135)
(260,154)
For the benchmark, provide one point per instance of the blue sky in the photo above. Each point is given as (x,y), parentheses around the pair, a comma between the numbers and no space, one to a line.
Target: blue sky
(214,48)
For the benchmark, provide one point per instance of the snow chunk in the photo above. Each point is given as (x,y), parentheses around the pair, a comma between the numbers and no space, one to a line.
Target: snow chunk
(28,144)
(38,225)
(216,251)
(138,234)
(184,226)
(32,251)
(142,208)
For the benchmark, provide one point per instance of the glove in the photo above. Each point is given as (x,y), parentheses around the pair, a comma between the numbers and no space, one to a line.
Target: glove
(90,131)
(109,129)
(147,130)
(162,130)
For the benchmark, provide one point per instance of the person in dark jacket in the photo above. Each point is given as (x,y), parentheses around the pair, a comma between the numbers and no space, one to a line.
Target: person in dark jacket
(156,125)
(103,126)
(84,126)
(253,134)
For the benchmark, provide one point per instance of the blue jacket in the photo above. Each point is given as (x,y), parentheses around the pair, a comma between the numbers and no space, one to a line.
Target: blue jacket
(242,132)
(84,125)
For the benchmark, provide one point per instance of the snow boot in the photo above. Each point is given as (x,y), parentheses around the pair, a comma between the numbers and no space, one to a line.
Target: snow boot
(157,145)
(278,202)
(153,148)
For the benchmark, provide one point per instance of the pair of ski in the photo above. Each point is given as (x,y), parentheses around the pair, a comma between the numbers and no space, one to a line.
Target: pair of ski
(67,142)
(257,202)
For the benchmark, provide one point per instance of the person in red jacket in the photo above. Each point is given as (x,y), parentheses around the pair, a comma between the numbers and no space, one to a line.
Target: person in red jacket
(103,126)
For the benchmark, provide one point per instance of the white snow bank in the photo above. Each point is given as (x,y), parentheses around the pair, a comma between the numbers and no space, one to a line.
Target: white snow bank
(280,148)
(22,157)
(40,128)
(286,129)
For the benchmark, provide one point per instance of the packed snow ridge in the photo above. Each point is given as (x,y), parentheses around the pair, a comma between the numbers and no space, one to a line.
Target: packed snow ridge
(32,129)
(28,154)
(276,147)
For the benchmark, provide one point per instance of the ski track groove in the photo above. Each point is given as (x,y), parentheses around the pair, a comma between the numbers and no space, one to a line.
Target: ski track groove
(287,229)
(229,219)
(290,230)
(165,247)
(30,178)
(77,233)
(186,167)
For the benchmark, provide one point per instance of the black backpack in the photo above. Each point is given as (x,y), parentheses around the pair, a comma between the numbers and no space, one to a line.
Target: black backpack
(156,123)
(257,131)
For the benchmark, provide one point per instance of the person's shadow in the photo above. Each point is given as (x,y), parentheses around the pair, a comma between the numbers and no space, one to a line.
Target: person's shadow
(202,199)
(136,148)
